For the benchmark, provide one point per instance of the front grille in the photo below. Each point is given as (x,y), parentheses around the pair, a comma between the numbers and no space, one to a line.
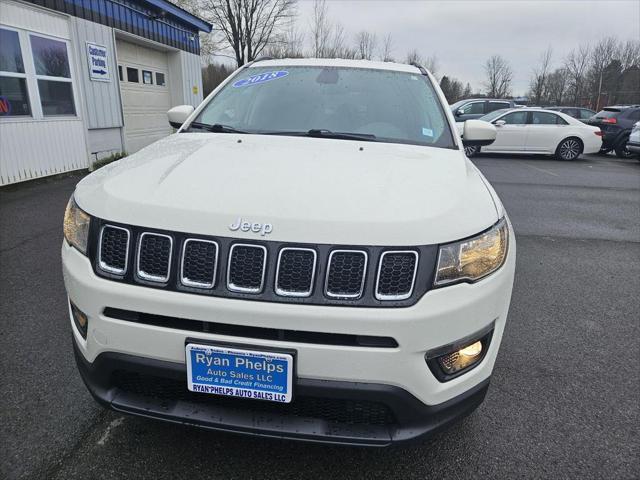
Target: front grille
(296,272)
(154,257)
(333,410)
(199,261)
(346,273)
(247,264)
(271,271)
(396,275)
(114,249)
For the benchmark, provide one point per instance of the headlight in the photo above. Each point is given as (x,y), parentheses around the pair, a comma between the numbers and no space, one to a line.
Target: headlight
(76,226)
(474,258)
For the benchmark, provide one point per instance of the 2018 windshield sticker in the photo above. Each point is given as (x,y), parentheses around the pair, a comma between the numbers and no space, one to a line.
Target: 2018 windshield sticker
(260,78)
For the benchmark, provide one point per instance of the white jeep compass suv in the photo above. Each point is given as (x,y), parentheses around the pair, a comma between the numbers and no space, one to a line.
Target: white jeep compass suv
(311,256)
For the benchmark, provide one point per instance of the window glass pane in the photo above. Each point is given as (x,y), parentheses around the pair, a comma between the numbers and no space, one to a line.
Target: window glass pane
(474,108)
(515,118)
(56,98)
(394,106)
(545,118)
(50,57)
(10,55)
(496,106)
(586,113)
(14,99)
(160,79)
(120,72)
(132,75)
(147,77)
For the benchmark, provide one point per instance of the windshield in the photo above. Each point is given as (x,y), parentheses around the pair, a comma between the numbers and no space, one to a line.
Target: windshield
(387,106)
(490,117)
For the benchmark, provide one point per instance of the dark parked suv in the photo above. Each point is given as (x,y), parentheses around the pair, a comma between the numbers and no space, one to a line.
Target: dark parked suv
(580,113)
(616,123)
(478,107)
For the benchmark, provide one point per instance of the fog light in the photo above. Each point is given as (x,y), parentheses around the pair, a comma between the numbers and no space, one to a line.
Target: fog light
(80,319)
(454,360)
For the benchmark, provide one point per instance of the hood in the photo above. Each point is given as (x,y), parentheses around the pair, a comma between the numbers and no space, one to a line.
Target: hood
(310,190)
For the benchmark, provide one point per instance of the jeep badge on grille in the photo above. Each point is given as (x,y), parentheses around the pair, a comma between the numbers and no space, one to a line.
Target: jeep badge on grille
(245,226)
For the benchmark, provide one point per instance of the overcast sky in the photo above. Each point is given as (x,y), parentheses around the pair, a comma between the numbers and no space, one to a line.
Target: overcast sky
(464,33)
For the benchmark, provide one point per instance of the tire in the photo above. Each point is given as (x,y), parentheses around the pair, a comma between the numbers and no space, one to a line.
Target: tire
(621,149)
(471,151)
(569,149)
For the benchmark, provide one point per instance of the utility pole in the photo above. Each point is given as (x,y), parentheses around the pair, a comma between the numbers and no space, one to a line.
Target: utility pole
(599,90)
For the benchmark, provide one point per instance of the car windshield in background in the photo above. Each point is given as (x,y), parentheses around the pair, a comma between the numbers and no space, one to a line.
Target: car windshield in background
(333,102)
(490,117)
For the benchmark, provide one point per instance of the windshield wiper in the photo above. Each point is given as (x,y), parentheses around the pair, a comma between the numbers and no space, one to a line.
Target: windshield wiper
(215,127)
(324,133)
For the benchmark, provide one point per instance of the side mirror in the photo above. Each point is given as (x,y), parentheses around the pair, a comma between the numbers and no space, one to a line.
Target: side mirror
(459,112)
(178,115)
(477,133)
(499,123)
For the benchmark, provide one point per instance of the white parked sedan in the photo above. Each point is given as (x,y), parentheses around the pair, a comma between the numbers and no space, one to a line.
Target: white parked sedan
(534,130)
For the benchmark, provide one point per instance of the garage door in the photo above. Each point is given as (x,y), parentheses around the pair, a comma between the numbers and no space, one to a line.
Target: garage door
(145,94)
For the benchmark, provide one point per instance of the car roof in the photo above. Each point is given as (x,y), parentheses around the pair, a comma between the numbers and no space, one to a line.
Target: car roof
(334,62)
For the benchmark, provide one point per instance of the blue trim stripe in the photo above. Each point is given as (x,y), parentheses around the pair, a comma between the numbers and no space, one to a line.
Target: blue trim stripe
(180,14)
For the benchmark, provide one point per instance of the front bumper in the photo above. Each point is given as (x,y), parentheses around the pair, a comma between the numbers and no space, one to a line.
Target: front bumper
(395,376)
(324,411)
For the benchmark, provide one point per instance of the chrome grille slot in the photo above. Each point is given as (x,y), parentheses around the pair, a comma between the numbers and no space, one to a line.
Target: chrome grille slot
(199,263)
(396,275)
(113,251)
(295,272)
(346,274)
(154,257)
(246,268)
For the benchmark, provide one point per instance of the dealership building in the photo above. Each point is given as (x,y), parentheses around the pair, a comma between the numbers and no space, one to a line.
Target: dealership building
(81,80)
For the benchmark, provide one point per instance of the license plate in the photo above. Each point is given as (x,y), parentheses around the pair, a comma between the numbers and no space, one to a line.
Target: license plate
(240,373)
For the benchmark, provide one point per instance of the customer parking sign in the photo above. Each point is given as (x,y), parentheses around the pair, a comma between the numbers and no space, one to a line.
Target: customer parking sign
(97,57)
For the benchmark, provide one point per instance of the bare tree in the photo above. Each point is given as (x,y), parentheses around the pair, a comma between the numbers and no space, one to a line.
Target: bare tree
(499,77)
(540,76)
(387,49)
(575,64)
(430,63)
(366,44)
(320,29)
(248,26)
(467,92)
(287,44)
(630,54)
(556,86)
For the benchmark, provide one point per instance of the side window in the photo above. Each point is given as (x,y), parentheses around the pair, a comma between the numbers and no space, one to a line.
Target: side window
(160,79)
(493,106)
(515,118)
(53,74)
(635,115)
(147,77)
(586,113)
(473,108)
(132,75)
(14,98)
(571,111)
(546,118)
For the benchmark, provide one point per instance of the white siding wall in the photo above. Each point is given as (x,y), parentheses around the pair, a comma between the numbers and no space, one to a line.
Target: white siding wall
(40,148)
(37,147)
(102,98)
(185,73)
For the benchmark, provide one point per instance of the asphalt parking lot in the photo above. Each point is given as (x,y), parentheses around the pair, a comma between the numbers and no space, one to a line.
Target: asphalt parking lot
(564,398)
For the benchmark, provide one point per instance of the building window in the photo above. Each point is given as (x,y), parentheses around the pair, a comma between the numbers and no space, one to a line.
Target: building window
(120,72)
(53,74)
(14,97)
(132,75)
(160,79)
(147,77)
